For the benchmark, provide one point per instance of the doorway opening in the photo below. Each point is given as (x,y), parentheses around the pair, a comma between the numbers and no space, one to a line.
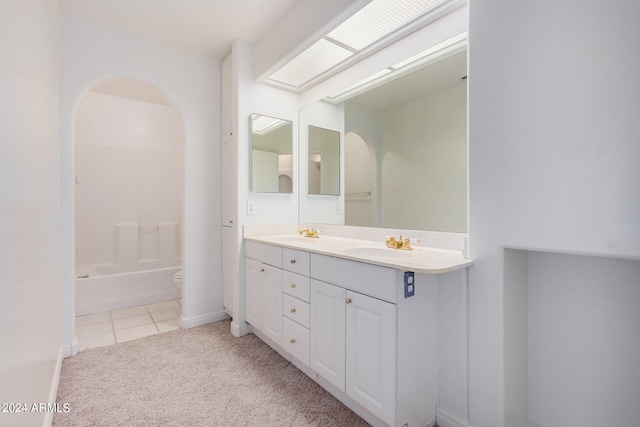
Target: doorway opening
(129,174)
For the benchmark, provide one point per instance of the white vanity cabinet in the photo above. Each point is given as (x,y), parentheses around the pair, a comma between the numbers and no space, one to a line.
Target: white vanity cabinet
(353,338)
(373,343)
(351,327)
(263,289)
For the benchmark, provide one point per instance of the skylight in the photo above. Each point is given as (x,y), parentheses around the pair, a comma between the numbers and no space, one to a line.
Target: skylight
(377,21)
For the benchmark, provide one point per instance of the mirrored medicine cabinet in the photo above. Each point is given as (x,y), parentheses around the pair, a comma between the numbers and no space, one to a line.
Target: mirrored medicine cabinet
(271,154)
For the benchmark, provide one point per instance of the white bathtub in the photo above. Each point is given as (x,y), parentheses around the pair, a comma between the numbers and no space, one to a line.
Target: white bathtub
(106,292)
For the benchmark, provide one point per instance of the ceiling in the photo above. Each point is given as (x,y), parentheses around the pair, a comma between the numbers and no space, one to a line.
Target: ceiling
(207,26)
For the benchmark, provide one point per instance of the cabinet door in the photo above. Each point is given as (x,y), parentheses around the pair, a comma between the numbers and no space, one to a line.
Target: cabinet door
(228,267)
(253,293)
(227,100)
(327,332)
(272,302)
(371,354)
(228,179)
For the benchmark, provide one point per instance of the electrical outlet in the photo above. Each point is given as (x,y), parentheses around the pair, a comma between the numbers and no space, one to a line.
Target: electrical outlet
(409,284)
(251,208)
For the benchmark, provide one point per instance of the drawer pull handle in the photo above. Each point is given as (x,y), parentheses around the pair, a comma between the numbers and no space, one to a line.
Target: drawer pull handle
(292,340)
(293,261)
(293,310)
(262,270)
(348,300)
(293,285)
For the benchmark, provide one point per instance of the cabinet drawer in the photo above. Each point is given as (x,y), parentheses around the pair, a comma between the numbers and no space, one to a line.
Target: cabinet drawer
(295,285)
(368,279)
(295,261)
(268,254)
(295,340)
(296,310)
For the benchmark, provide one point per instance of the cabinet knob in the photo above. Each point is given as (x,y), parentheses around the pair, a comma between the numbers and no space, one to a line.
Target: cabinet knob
(292,340)
(262,270)
(348,300)
(230,222)
(293,285)
(293,310)
(293,261)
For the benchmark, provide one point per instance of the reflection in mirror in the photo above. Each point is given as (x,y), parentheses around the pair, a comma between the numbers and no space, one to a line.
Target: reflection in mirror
(271,155)
(324,161)
(409,168)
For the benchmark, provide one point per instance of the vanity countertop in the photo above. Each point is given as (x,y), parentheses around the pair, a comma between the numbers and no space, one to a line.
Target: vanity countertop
(420,259)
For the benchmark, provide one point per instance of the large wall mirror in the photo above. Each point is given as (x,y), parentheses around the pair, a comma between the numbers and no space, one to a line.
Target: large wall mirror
(324,161)
(271,154)
(405,148)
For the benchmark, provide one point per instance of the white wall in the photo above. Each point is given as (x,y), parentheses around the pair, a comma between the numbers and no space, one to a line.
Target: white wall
(553,156)
(266,100)
(129,185)
(93,52)
(268,208)
(583,340)
(30,280)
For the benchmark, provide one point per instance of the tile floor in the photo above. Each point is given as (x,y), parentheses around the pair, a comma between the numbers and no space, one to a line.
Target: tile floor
(118,326)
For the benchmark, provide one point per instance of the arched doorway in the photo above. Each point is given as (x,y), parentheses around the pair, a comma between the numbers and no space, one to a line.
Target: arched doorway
(129,174)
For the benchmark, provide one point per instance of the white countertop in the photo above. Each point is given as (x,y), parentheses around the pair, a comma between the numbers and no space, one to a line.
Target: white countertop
(420,259)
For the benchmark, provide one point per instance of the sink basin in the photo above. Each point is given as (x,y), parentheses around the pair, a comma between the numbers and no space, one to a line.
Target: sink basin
(379,253)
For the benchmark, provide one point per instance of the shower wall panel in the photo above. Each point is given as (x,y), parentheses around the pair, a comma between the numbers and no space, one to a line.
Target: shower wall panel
(129,176)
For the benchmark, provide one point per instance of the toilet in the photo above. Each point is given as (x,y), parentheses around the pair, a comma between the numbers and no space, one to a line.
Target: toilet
(177,279)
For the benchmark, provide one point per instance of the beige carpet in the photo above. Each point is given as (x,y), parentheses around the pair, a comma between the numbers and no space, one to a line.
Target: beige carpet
(195,377)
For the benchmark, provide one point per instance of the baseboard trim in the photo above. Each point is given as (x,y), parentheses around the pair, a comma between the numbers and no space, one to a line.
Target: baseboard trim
(238,330)
(53,391)
(447,420)
(192,322)
(70,349)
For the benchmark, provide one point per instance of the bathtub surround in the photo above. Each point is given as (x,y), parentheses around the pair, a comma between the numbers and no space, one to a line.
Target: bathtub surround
(199,376)
(129,180)
(129,157)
